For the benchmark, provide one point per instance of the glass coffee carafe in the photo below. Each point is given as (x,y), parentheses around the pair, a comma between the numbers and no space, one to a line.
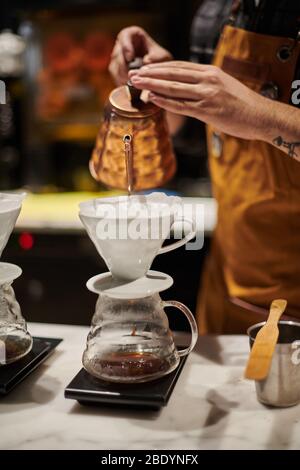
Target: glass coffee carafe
(133,148)
(130,340)
(15,341)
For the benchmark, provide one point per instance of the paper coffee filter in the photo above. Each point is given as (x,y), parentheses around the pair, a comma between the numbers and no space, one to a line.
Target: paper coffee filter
(123,207)
(10,207)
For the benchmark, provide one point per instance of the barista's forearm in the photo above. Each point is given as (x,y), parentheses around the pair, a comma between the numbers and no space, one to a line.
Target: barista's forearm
(281,127)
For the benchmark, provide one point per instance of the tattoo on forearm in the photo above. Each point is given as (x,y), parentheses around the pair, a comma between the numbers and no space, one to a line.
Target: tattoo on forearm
(291,146)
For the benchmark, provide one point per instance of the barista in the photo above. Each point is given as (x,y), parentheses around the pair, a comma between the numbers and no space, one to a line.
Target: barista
(253,135)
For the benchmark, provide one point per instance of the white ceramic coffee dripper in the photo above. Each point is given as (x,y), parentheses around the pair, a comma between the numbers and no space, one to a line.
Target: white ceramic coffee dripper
(128,232)
(15,341)
(10,207)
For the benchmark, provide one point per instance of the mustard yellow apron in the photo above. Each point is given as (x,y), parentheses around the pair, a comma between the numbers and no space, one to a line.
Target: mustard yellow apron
(255,253)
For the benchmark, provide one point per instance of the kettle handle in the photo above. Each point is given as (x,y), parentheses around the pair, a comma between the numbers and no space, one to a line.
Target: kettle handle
(191,319)
(135,93)
(183,241)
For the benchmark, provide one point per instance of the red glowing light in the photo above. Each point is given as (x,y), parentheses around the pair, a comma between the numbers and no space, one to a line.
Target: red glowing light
(26,241)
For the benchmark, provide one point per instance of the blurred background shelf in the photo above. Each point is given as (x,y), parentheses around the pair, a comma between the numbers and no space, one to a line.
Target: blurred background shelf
(58,212)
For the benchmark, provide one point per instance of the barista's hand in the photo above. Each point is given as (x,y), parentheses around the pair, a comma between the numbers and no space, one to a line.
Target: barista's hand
(204,92)
(134,42)
(211,95)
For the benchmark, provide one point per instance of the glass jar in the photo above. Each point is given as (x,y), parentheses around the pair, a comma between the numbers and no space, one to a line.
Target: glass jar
(130,340)
(15,341)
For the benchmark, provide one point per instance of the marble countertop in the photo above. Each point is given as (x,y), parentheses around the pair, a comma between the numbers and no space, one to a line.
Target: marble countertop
(212,407)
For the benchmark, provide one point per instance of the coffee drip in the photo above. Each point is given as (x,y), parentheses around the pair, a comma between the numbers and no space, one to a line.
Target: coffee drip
(130,340)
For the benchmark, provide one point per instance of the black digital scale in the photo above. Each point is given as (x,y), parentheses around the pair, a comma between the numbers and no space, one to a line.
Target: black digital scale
(88,390)
(12,374)
(152,395)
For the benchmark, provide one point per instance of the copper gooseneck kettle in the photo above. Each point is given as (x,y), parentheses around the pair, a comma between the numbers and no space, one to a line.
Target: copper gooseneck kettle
(133,148)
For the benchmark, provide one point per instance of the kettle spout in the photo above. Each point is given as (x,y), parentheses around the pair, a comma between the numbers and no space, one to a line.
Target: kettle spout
(128,149)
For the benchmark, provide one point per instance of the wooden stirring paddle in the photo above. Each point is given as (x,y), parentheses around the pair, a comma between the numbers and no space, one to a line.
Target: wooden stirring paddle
(263,348)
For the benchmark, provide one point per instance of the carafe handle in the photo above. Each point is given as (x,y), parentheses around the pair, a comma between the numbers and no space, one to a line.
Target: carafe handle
(191,319)
(183,241)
